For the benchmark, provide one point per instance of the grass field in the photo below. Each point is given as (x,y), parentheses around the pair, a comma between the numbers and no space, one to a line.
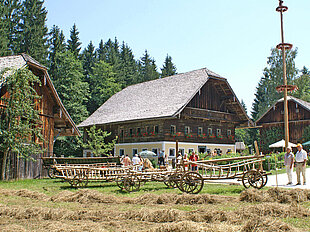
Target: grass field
(52,205)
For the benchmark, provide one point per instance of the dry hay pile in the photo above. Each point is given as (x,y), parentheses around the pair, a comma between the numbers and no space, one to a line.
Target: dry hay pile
(25,193)
(84,196)
(260,224)
(275,195)
(189,226)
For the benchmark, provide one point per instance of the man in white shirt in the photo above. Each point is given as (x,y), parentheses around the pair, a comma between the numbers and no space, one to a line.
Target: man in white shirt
(301,160)
(135,160)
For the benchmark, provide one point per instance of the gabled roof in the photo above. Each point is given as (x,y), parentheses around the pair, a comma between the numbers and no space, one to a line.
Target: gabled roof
(300,102)
(160,98)
(23,60)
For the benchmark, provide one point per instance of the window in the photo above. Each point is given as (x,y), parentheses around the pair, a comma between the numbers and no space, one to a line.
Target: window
(147,129)
(134,151)
(218,132)
(130,131)
(121,152)
(200,130)
(171,152)
(172,129)
(187,130)
(228,132)
(209,131)
(155,150)
(121,133)
(190,151)
(182,151)
(202,149)
(156,129)
(139,131)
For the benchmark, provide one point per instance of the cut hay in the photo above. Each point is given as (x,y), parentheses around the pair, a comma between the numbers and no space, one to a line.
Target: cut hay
(273,210)
(259,224)
(84,196)
(25,193)
(165,215)
(275,195)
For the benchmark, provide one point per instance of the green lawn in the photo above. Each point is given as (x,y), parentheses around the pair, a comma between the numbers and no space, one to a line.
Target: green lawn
(53,186)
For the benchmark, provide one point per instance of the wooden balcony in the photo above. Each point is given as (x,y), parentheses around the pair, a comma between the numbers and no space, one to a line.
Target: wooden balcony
(209,114)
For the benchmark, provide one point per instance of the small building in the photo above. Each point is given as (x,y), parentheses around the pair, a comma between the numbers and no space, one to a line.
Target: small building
(55,118)
(198,109)
(298,116)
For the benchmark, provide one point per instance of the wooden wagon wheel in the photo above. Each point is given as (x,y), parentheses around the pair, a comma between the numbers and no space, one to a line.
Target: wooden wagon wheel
(170,181)
(245,180)
(131,183)
(265,178)
(51,172)
(191,182)
(120,182)
(79,180)
(254,178)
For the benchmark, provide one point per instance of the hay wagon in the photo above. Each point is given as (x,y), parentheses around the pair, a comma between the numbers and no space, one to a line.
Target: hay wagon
(247,169)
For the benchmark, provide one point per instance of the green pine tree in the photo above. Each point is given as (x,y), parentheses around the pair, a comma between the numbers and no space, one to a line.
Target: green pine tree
(34,33)
(56,45)
(103,85)
(89,59)
(147,68)
(68,81)
(10,15)
(169,68)
(74,41)
(128,68)
(266,93)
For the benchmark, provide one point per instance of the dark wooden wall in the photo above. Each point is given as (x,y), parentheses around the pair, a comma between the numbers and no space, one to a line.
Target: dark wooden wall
(296,112)
(208,98)
(20,168)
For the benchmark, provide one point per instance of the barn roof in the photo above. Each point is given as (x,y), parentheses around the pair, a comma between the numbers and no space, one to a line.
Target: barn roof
(23,60)
(160,98)
(300,102)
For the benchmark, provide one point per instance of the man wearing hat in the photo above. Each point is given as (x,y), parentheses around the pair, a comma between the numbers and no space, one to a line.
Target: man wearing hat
(289,164)
(300,160)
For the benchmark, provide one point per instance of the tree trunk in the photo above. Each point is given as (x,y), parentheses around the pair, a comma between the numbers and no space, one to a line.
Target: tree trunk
(4,161)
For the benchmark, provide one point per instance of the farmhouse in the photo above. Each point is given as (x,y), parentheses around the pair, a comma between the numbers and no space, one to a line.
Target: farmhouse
(299,118)
(198,109)
(55,119)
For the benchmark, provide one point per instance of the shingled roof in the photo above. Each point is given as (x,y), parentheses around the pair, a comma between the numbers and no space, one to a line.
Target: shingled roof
(160,98)
(300,102)
(24,60)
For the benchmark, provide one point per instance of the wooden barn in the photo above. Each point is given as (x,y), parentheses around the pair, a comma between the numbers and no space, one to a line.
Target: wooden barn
(299,118)
(198,109)
(55,118)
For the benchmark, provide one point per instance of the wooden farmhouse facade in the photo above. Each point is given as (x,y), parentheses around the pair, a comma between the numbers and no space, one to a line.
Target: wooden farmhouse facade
(198,109)
(299,118)
(56,121)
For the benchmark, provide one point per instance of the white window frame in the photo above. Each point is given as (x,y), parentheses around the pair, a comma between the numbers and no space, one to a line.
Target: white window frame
(121,149)
(172,149)
(136,152)
(210,132)
(200,128)
(228,132)
(175,129)
(187,130)
(218,132)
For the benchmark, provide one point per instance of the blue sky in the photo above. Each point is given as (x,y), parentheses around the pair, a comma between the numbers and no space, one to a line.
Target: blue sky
(230,37)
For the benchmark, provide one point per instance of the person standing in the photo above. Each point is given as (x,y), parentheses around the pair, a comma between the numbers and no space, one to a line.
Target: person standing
(126,161)
(161,158)
(135,160)
(301,160)
(194,158)
(289,164)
